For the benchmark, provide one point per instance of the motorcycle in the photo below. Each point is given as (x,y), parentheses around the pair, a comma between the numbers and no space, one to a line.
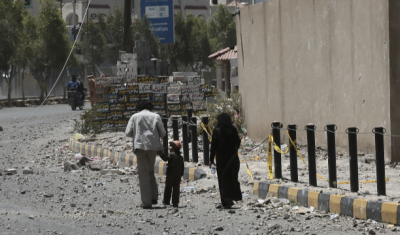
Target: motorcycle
(74,101)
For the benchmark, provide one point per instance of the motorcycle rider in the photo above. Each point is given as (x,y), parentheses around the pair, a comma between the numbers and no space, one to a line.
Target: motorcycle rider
(75,84)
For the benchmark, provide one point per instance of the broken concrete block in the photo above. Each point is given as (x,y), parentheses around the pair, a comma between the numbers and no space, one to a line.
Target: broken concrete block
(67,166)
(112,171)
(27,171)
(74,167)
(11,171)
(124,180)
(98,165)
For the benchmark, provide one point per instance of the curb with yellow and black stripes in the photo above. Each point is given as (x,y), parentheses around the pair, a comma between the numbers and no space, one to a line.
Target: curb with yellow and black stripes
(379,211)
(128,160)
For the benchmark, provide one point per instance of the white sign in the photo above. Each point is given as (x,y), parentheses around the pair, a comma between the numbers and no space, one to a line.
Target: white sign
(190,89)
(197,96)
(145,88)
(157,12)
(194,80)
(159,88)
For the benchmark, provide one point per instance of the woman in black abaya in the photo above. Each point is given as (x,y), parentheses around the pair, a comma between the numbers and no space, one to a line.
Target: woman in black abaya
(224,146)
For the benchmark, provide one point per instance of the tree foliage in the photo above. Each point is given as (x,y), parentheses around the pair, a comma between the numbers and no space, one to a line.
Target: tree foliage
(231,106)
(112,27)
(222,29)
(93,44)
(25,54)
(192,46)
(51,49)
(141,30)
(10,27)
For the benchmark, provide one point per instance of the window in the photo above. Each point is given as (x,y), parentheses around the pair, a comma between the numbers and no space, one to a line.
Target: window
(28,3)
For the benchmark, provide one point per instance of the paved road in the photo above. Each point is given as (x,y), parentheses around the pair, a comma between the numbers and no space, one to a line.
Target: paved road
(22,112)
(12,118)
(55,202)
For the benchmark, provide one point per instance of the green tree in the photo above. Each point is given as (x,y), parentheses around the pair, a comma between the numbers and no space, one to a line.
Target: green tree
(92,44)
(114,33)
(25,52)
(192,45)
(51,49)
(222,29)
(10,27)
(141,30)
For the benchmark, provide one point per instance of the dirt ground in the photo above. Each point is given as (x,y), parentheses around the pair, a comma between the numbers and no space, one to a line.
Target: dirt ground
(52,201)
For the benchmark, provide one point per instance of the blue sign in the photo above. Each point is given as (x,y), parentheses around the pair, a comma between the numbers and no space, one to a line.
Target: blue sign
(161,16)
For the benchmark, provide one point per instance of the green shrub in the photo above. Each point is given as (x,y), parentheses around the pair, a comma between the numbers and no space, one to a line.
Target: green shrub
(230,106)
(88,124)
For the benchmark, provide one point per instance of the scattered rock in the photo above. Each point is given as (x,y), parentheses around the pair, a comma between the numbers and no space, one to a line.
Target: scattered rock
(11,171)
(27,171)
(219,228)
(124,180)
(74,166)
(48,195)
(67,166)
(112,171)
(31,217)
(367,159)
(84,160)
(98,165)
(1,128)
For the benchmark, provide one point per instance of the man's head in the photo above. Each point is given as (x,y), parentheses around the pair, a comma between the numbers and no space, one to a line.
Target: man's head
(73,78)
(145,105)
(175,146)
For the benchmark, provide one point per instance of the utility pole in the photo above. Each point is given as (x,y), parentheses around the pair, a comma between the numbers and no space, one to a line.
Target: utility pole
(127,26)
(74,30)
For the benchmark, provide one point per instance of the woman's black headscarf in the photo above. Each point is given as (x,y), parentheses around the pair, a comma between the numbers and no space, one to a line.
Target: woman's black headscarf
(225,123)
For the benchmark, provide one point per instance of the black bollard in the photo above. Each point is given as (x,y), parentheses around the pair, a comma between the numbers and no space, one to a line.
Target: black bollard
(352,132)
(312,169)
(185,138)
(330,129)
(294,176)
(165,138)
(189,115)
(380,160)
(276,132)
(206,143)
(175,129)
(195,154)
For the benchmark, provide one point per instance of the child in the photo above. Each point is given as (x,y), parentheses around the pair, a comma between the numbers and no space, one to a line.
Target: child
(175,170)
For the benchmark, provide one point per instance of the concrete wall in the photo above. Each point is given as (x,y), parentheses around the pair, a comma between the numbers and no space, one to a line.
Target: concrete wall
(321,62)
